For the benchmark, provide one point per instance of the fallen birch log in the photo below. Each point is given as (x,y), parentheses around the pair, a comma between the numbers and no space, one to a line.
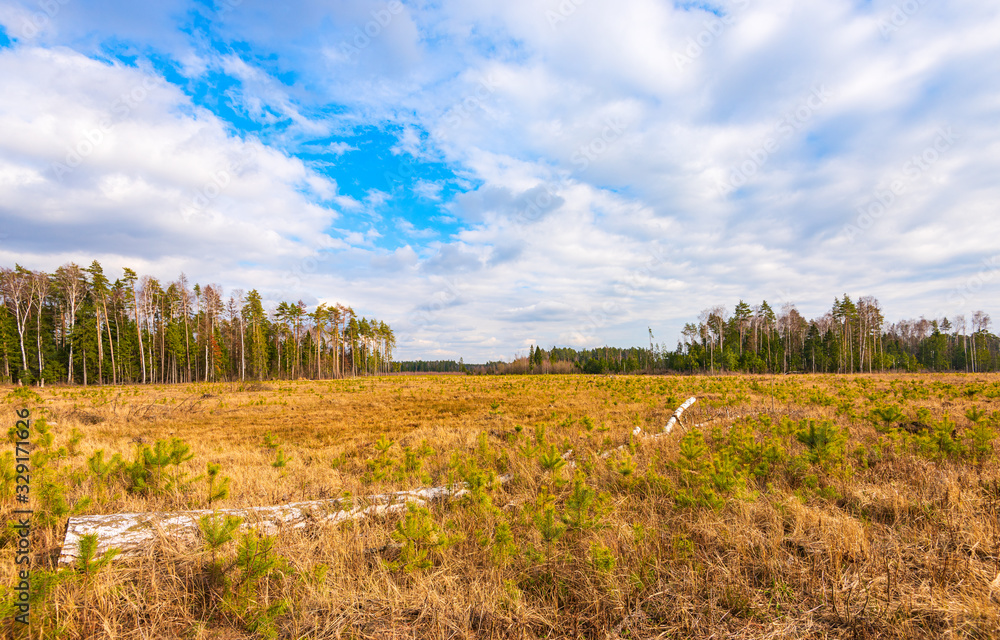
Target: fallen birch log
(568,457)
(610,452)
(133,533)
(674,419)
(711,420)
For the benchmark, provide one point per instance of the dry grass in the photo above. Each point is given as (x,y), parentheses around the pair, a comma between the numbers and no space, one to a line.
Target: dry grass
(885,535)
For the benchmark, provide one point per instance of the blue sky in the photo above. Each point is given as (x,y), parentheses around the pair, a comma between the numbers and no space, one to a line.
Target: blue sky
(487,176)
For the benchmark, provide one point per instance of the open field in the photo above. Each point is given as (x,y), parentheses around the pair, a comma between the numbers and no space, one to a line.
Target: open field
(785,507)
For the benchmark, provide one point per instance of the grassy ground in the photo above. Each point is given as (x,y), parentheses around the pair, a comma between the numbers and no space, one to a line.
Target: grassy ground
(786,507)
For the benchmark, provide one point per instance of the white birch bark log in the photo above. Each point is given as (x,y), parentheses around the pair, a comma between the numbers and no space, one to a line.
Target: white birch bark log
(666,430)
(133,533)
(677,414)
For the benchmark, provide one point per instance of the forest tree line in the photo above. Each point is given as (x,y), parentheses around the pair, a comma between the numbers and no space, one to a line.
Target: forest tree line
(77,326)
(853,336)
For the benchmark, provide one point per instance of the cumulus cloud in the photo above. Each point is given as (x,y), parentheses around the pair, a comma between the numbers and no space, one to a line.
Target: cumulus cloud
(616,166)
(107,160)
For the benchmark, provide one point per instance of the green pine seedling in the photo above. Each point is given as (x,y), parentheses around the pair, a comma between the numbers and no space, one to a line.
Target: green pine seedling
(383,445)
(280,460)
(825,442)
(975,414)
(981,436)
(218,531)
(503,546)
(888,415)
(582,505)
(626,466)
(551,460)
(528,450)
(75,437)
(726,474)
(540,435)
(419,535)
(425,449)
(255,558)
(147,471)
(220,491)
(411,460)
(602,558)
(547,524)
(88,549)
(102,469)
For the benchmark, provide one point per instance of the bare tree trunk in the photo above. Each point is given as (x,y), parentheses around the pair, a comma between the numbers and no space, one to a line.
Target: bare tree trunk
(100,345)
(39,287)
(243,360)
(71,284)
(111,345)
(138,331)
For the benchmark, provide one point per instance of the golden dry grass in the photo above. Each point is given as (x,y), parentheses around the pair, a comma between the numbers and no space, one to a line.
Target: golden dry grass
(897,536)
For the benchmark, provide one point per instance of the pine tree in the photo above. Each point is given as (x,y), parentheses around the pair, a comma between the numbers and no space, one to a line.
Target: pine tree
(256,321)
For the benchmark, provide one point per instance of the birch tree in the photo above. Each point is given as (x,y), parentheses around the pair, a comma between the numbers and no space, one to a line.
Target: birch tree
(72,287)
(17,293)
(99,294)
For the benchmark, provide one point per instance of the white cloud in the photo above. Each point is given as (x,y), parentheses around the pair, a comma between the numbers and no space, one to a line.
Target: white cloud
(428,190)
(146,178)
(340,148)
(592,159)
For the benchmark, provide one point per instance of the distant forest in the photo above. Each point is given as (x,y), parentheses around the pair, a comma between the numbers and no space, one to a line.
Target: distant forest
(76,326)
(852,337)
